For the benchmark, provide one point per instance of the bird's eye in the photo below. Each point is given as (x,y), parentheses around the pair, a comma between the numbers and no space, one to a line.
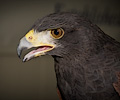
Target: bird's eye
(57,33)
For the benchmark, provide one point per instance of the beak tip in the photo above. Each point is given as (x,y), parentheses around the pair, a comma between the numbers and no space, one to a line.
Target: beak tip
(25,59)
(19,54)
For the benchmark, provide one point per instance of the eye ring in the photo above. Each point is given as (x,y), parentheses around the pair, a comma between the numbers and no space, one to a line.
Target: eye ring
(57,33)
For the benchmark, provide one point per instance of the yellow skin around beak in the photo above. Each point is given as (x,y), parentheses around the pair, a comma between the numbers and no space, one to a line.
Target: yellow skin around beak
(42,40)
(39,39)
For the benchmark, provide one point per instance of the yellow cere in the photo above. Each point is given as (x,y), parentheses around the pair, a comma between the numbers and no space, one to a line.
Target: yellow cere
(35,40)
(29,36)
(32,38)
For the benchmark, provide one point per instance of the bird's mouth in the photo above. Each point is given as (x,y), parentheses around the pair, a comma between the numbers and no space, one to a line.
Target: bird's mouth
(34,50)
(38,51)
(36,43)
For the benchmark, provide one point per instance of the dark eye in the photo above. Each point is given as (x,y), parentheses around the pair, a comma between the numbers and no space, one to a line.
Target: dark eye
(57,33)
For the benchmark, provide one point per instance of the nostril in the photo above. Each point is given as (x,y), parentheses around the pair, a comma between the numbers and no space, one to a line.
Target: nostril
(30,38)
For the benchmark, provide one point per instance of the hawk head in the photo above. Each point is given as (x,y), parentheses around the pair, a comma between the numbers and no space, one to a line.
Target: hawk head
(55,34)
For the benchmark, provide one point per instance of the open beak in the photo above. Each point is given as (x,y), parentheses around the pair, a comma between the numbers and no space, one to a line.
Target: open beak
(39,48)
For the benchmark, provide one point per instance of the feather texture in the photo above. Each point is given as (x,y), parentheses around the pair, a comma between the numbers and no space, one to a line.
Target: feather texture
(86,59)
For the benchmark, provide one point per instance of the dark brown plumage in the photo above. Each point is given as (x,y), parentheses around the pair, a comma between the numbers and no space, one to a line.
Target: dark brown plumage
(87,60)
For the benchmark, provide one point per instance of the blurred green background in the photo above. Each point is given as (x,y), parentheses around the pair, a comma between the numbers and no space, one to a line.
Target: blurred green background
(35,80)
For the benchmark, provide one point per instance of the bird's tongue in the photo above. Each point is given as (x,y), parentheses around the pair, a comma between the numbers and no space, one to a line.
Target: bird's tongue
(33,53)
(38,50)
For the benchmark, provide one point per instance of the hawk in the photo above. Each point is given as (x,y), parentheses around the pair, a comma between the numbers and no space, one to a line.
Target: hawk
(87,61)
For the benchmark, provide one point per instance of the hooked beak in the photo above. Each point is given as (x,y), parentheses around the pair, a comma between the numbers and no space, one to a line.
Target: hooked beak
(40,41)
(24,44)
